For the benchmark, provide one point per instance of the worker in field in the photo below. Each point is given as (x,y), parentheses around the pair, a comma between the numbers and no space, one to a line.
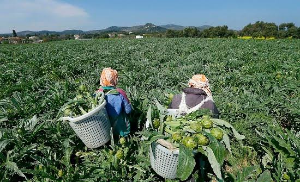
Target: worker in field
(118,106)
(197,96)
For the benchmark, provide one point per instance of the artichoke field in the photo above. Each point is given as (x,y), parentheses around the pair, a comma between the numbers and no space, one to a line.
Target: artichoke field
(255,85)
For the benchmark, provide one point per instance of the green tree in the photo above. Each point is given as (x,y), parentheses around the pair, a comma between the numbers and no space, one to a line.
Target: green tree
(260,29)
(287,30)
(270,30)
(206,33)
(171,33)
(298,33)
(190,32)
(104,35)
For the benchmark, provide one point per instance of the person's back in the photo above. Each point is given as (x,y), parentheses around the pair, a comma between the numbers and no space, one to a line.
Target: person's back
(118,105)
(195,97)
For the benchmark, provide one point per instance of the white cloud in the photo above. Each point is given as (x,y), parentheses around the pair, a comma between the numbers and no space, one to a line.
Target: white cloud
(40,14)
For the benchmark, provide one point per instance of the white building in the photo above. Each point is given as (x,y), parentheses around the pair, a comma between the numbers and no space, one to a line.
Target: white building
(77,37)
(35,39)
(139,37)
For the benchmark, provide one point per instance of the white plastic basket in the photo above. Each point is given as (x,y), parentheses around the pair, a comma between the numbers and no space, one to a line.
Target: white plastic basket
(164,161)
(93,128)
(173,112)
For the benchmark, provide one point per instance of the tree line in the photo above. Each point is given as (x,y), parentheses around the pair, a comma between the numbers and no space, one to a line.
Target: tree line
(258,29)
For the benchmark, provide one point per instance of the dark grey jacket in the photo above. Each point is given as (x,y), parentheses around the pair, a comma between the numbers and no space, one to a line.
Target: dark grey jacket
(193,97)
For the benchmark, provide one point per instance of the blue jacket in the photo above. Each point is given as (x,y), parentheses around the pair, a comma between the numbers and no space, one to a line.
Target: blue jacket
(118,107)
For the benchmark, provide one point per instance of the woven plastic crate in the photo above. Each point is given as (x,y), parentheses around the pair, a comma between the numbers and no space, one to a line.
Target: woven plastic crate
(173,112)
(164,161)
(93,128)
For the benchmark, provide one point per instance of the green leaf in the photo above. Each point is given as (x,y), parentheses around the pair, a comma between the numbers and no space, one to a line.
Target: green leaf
(218,149)
(294,139)
(226,141)
(289,163)
(112,140)
(215,165)
(186,163)
(26,150)
(226,124)
(3,119)
(67,153)
(154,138)
(161,108)
(40,174)
(265,177)
(3,144)
(30,124)
(37,129)
(13,167)
(266,159)
(269,152)
(149,116)
(246,172)
(284,144)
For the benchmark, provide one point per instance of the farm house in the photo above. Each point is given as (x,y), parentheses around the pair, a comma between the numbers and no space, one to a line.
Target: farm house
(139,36)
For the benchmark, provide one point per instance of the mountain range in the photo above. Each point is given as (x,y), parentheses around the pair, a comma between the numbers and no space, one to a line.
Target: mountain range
(147,28)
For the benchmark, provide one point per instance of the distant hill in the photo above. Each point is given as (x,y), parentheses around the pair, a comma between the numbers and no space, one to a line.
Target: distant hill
(203,27)
(173,27)
(179,27)
(46,32)
(147,28)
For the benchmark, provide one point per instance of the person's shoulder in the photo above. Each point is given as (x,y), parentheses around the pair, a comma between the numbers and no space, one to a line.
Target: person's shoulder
(123,93)
(120,90)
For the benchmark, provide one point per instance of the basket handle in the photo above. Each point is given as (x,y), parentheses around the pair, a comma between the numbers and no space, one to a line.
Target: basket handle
(66,118)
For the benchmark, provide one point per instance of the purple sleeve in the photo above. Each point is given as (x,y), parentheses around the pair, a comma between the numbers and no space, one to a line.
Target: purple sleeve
(175,102)
(122,92)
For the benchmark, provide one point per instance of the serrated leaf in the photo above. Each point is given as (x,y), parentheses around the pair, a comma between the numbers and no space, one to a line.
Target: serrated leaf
(246,172)
(13,167)
(294,139)
(266,159)
(226,124)
(67,152)
(284,144)
(3,144)
(40,173)
(26,150)
(161,108)
(37,129)
(226,141)
(215,165)
(218,149)
(186,163)
(265,177)
(30,124)
(268,152)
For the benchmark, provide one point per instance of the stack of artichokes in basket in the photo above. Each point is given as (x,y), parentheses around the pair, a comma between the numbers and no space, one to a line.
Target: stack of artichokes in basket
(83,103)
(193,133)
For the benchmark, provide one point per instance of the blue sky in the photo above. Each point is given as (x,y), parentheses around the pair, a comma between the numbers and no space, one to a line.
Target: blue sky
(98,14)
